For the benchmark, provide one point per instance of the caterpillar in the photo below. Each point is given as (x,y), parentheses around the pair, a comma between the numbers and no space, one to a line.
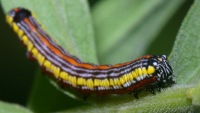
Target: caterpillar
(147,72)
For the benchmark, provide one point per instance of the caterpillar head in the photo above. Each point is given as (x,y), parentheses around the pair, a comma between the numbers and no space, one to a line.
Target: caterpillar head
(164,73)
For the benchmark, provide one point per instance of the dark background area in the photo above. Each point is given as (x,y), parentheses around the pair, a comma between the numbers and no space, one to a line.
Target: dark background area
(17,72)
(168,34)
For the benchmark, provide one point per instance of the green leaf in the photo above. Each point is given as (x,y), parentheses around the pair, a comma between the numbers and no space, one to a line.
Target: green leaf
(12,108)
(193,94)
(54,98)
(69,23)
(125,30)
(185,56)
(170,100)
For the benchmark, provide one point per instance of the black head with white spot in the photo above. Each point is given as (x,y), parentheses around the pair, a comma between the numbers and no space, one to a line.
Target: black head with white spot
(164,72)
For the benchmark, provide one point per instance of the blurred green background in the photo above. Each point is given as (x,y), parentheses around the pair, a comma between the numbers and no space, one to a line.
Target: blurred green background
(15,85)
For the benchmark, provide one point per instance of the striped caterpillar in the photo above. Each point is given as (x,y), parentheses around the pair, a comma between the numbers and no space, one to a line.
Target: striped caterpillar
(146,72)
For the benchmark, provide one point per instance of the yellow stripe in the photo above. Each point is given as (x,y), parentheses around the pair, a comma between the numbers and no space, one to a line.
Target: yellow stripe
(134,75)
(144,71)
(56,71)
(47,64)
(72,80)
(106,83)
(117,82)
(130,77)
(9,20)
(34,52)
(97,82)
(25,40)
(111,82)
(20,33)
(15,27)
(150,70)
(139,72)
(64,76)
(29,46)
(90,83)
(122,81)
(40,59)
(80,81)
